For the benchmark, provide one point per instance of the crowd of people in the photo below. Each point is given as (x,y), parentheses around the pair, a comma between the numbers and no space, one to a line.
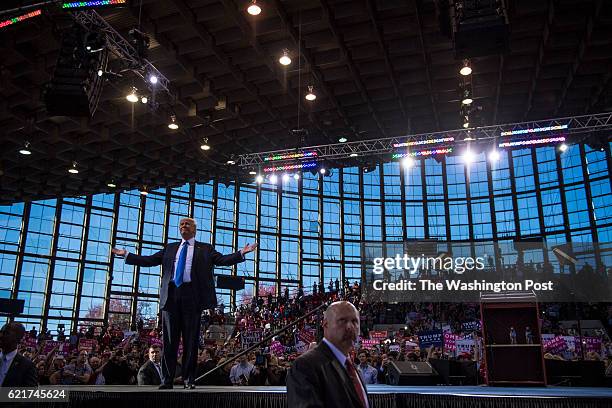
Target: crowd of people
(97,356)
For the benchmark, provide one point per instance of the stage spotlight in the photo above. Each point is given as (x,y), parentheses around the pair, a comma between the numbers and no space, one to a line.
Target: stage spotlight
(466,69)
(153,79)
(273,179)
(407,162)
(254,9)
(144,99)
(111,184)
(132,97)
(296,176)
(252,172)
(231,162)
(100,72)
(468,156)
(94,41)
(353,155)
(322,171)
(494,155)
(25,150)
(143,191)
(285,59)
(140,41)
(343,139)
(285,177)
(259,179)
(563,147)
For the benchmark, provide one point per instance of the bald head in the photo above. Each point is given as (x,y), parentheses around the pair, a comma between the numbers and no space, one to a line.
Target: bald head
(333,309)
(341,325)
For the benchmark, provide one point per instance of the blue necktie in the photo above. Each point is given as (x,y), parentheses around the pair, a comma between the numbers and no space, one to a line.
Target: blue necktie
(180,265)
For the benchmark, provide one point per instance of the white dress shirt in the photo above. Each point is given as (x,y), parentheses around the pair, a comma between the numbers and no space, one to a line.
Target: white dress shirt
(188,261)
(5,363)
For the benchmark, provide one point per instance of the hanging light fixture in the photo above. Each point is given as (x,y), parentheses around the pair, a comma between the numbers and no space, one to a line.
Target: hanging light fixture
(204,145)
(285,59)
(144,191)
(111,184)
(254,9)
(132,97)
(310,96)
(73,169)
(173,125)
(25,150)
(466,68)
(466,99)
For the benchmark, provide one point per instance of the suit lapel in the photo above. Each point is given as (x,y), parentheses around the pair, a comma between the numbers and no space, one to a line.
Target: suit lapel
(197,252)
(346,381)
(14,366)
(343,375)
(172,250)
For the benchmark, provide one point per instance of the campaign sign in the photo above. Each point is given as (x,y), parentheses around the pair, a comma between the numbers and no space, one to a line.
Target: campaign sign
(430,338)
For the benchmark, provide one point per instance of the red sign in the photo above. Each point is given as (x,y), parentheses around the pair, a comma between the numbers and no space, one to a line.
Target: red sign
(378,335)
(87,344)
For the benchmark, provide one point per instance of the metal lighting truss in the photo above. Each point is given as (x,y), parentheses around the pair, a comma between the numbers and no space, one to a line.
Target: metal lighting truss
(571,125)
(122,48)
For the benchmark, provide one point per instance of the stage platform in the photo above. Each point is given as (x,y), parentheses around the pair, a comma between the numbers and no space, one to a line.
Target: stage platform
(381,396)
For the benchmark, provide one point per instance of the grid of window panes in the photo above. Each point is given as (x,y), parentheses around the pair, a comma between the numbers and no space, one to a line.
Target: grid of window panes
(55,254)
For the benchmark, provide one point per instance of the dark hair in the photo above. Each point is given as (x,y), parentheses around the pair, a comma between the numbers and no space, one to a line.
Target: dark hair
(16,328)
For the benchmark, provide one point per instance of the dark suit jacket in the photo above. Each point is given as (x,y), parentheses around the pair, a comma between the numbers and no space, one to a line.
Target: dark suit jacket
(21,373)
(148,375)
(205,257)
(316,379)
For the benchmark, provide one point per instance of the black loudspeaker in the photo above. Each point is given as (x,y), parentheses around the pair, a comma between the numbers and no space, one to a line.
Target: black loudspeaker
(230,282)
(413,373)
(76,86)
(480,28)
(11,307)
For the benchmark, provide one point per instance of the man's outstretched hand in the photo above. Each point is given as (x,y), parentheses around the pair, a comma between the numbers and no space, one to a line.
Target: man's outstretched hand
(119,252)
(248,248)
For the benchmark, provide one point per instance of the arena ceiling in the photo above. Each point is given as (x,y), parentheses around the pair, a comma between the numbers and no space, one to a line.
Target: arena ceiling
(379,68)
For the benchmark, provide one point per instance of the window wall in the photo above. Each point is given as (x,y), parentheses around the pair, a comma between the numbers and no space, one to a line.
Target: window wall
(55,254)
